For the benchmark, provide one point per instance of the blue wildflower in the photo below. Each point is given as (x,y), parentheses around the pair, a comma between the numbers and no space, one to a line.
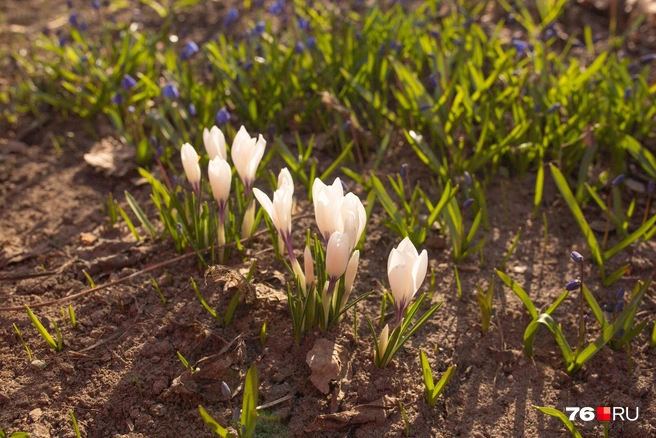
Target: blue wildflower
(620,294)
(435,34)
(424,107)
(311,43)
(468,203)
(573,285)
(647,59)
(277,7)
(96,4)
(521,46)
(170,91)
(404,170)
(553,108)
(303,24)
(117,98)
(432,80)
(84,26)
(222,116)
(128,82)
(627,93)
(231,17)
(347,125)
(248,65)
(192,110)
(618,180)
(343,185)
(72,19)
(468,178)
(577,257)
(259,28)
(190,49)
(299,47)
(619,306)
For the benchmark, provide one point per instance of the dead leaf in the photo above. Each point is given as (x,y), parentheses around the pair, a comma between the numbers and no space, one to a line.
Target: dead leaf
(376,411)
(88,239)
(329,362)
(231,278)
(111,157)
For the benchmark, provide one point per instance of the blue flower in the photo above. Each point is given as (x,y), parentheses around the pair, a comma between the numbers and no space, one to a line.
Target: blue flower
(192,110)
(248,65)
(435,34)
(618,180)
(432,80)
(190,49)
(128,82)
(117,98)
(573,285)
(619,307)
(620,294)
(231,17)
(521,46)
(96,4)
(311,43)
(72,19)
(347,125)
(84,26)
(404,170)
(576,256)
(299,47)
(62,41)
(170,91)
(222,116)
(468,203)
(553,108)
(259,28)
(627,93)
(277,7)
(647,59)
(303,24)
(424,107)
(468,178)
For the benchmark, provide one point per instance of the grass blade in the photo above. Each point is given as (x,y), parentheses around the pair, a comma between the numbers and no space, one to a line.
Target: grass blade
(562,417)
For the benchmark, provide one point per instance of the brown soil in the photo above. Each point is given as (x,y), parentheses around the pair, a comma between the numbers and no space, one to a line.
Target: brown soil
(118,370)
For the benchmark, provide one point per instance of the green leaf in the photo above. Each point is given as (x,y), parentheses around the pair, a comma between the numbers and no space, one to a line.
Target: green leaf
(140,214)
(616,275)
(557,303)
(428,374)
(547,321)
(641,154)
(564,189)
(594,305)
(521,293)
(557,414)
(216,427)
(630,239)
(249,406)
(42,330)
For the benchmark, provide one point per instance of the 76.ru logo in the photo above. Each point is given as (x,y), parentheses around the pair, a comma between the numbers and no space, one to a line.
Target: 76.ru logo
(602,413)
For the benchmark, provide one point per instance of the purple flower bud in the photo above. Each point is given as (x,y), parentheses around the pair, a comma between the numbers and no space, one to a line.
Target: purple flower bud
(236,414)
(222,116)
(578,44)
(117,99)
(231,17)
(620,294)
(521,46)
(153,141)
(96,4)
(432,80)
(303,24)
(346,126)
(435,34)
(248,65)
(404,170)
(651,186)
(468,203)
(620,333)
(225,389)
(170,91)
(627,93)
(577,257)
(277,7)
(259,28)
(619,306)
(549,34)
(159,151)
(468,178)
(192,110)
(618,180)
(299,47)
(573,285)
(128,82)
(72,19)
(585,319)
(84,26)
(647,59)
(553,108)
(424,107)
(190,49)
(311,43)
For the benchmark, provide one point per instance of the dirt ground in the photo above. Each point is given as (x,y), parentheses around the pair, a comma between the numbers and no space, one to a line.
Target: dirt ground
(119,372)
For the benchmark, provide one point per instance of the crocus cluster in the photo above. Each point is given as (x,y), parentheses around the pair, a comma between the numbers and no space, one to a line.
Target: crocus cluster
(246,154)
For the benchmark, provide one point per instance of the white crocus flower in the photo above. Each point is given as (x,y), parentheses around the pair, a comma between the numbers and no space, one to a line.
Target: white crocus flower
(337,255)
(190,165)
(285,179)
(349,278)
(327,206)
(220,177)
(406,270)
(246,155)
(383,340)
(309,267)
(215,143)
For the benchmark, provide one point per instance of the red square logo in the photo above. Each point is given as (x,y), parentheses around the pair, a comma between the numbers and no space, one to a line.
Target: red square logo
(603,413)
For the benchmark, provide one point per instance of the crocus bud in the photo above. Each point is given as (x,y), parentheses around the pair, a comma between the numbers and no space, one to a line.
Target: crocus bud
(327,202)
(246,154)
(351,204)
(285,179)
(578,258)
(225,389)
(220,177)
(383,339)
(406,270)
(190,165)
(337,255)
(573,285)
(309,266)
(279,210)
(351,270)
(215,143)
(618,180)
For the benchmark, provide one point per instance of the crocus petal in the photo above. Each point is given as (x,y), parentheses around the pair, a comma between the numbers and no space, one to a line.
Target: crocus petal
(351,271)
(285,178)
(309,266)
(190,163)
(220,177)
(265,202)
(337,254)
(419,271)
